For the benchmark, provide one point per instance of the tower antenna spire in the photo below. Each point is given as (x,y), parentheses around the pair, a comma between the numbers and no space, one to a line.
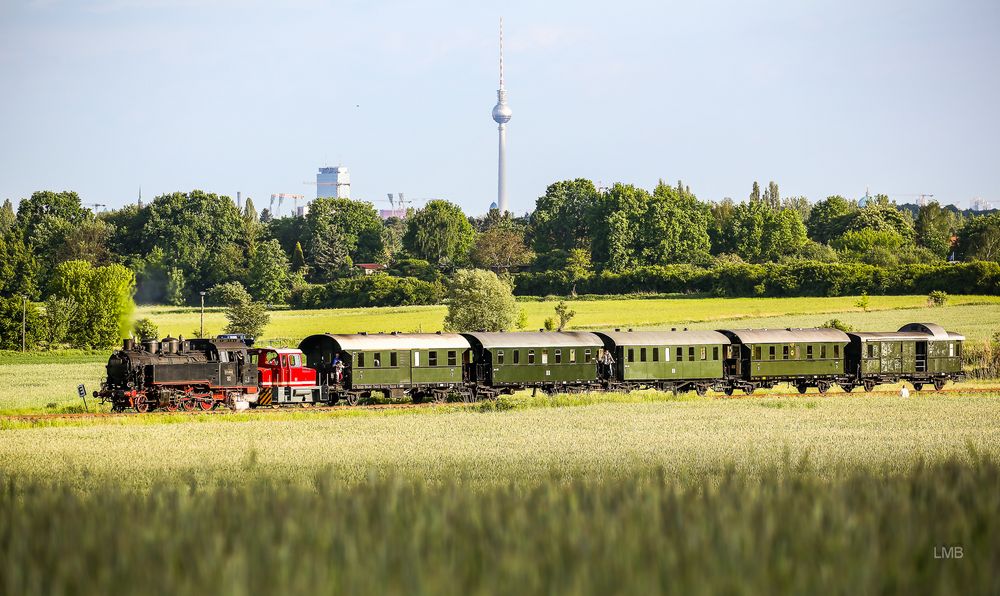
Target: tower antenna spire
(501,52)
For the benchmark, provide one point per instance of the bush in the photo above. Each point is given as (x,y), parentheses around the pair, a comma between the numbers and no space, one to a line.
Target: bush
(937,298)
(144,329)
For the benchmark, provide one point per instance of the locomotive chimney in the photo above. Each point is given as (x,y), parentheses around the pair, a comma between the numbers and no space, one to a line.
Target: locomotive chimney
(128,343)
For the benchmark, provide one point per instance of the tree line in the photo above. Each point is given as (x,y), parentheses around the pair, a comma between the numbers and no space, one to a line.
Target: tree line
(73,273)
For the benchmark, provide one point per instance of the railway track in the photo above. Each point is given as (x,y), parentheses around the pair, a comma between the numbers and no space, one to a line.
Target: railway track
(408,406)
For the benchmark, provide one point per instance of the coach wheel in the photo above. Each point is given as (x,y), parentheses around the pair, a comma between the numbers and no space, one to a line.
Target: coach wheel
(847,387)
(802,388)
(869,385)
(728,390)
(701,390)
(823,386)
(918,386)
(140,404)
(939,384)
(469,397)
(353,399)
(748,390)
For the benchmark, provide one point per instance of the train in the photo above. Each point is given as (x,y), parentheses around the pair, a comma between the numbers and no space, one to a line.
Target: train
(328,369)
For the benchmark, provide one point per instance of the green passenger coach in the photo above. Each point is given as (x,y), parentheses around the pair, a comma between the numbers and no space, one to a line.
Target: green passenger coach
(922,353)
(665,360)
(802,357)
(545,360)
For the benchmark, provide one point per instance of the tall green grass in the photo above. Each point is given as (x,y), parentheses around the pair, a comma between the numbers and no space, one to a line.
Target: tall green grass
(782,530)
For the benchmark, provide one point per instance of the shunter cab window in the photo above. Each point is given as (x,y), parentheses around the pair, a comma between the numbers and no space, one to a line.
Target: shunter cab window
(432,358)
(271,359)
(295,360)
(452,357)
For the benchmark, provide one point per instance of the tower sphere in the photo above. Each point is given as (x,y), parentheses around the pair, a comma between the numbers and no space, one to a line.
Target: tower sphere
(502,113)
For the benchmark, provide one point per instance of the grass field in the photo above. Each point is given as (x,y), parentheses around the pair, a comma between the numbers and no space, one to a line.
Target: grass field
(758,495)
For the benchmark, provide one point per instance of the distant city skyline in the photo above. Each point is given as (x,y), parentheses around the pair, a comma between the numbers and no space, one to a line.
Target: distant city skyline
(104,96)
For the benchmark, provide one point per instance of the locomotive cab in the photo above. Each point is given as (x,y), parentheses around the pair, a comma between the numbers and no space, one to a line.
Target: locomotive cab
(284,378)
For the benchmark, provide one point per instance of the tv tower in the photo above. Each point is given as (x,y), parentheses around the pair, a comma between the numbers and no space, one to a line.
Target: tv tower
(501,115)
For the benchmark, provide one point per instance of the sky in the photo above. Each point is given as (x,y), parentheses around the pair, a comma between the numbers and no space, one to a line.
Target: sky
(824,97)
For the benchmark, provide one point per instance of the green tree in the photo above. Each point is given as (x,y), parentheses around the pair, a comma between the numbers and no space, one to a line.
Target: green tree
(269,273)
(562,216)
(298,258)
(59,316)
(721,225)
(761,234)
(479,300)
(799,205)
(979,238)
(564,314)
(500,249)
(11,310)
(875,247)
(329,255)
(934,227)
(19,269)
(104,298)
(772,198)
(829,218)
(355,225)
(175,286)
(45,207)
(755,193)
(675,229)
(8,219)
(250,318)
(439,233)
(881,215)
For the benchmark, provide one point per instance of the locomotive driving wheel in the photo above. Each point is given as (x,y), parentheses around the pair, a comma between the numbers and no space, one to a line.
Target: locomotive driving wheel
(140,404)
(188,404)
(206,404)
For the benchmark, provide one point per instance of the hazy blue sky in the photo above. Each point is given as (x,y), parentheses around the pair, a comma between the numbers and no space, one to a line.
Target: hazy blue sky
(100,96)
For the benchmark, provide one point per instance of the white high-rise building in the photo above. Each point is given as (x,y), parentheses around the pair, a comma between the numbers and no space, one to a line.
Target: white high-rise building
(333,182)
(981,204)
(501,115)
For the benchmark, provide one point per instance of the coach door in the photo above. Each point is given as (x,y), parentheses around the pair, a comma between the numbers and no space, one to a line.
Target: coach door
(920,362)
(892,357)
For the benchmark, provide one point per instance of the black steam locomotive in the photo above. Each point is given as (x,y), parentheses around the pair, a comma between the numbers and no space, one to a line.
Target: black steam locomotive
(177,374)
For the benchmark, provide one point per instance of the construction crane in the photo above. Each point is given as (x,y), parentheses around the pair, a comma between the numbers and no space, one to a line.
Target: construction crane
(281,196)
(921,197)
(95,207)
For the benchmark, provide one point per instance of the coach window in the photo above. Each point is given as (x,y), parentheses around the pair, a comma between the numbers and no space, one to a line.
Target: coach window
(531,356)
(361,359)
(809,352)
(656,354)
(666,354)
(416,359)
(770,353)
(784,352)
(642,354)
(757,350)
(517,356)
(558,355)
(393,359)
(377,359)
(704,353)
(452,357)
(715,352)
(691,353)
(545,356)
(586,356)
(432,358)
(958,350)
(572,355)
(822,351)
(836,351)
(680,355)
(500,357)
(951,350)
(631,355)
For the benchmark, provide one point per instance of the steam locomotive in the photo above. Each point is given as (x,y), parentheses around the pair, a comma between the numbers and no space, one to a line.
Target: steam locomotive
(173,374)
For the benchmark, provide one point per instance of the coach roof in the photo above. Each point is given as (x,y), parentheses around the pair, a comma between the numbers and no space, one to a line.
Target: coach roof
(388,341)
(784,336)
(664,338)
(536,339)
